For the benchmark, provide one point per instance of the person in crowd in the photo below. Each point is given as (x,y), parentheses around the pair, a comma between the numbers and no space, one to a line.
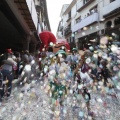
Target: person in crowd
(74,58)
(19,63)
(87,97)
(7,71)
(26,57)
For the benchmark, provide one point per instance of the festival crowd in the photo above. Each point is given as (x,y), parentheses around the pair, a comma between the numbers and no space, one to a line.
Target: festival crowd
(15,65)
(75,75)
(68,76)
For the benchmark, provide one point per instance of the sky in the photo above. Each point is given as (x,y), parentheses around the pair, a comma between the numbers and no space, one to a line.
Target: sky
(54,8)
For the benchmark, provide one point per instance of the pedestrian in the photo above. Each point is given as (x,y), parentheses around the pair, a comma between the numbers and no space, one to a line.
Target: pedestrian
(7,71)
(87,98)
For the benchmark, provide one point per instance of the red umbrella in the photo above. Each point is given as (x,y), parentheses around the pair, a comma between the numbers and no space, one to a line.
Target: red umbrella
(46,37)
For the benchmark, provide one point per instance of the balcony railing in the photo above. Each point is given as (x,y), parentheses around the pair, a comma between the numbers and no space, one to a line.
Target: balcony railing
(85,22)
(61,28)
(81,5)
(68,19)
(111,7)
(68,31)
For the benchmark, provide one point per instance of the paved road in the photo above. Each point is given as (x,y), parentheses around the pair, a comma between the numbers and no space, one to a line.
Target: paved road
(33,104)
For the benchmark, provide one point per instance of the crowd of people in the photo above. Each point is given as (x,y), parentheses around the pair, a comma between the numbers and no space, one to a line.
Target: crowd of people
(68,76)
(15,65)
(78,72)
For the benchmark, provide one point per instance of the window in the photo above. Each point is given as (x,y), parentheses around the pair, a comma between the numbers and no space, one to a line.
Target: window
(93,10)
(69,14)
(85,1)
(78,20)
(108,24)
(112,1)
(117,21)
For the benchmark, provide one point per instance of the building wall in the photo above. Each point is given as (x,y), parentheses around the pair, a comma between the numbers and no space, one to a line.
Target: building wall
(41,8)
(106,2)
(90,29)
(73,14)
(62,23)
(84,12)
(65,6)
(96,27)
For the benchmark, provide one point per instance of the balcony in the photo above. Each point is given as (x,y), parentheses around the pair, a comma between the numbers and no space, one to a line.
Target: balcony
(28,12)
(81,5)
(32,10)
(85,22)
(59,34)
(67,31)
(111,7)
(60,28)
(68,19)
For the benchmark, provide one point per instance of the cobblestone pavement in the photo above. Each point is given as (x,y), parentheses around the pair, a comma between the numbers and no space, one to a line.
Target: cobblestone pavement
(26,104)
(103,107)
(32,103)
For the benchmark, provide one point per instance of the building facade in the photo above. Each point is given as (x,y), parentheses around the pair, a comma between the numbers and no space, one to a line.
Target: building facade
(61,26)
(21,22)
(66,22)
(91,19)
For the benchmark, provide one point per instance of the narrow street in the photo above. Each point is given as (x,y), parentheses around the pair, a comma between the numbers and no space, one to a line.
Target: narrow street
(28,103)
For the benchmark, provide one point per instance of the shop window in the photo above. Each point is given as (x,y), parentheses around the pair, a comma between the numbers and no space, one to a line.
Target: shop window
(117,21)
(108,24)
(112,1)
